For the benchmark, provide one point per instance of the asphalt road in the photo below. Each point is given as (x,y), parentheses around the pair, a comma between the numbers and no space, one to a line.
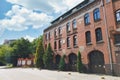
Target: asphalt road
(35,74)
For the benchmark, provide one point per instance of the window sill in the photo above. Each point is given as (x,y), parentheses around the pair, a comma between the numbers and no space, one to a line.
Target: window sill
(55,49)
(60,49)
(74,28)
(99,42)
(88,43)
(117,44)
(68,31)
(55,37)
(74,31)
(60,34)
(97,20)
(68,48)
(75,46)
(86,24)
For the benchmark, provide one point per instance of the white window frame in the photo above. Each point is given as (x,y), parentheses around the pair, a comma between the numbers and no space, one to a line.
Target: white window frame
(118,15)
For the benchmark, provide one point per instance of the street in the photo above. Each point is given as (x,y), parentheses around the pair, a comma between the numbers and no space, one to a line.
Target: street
(35,74)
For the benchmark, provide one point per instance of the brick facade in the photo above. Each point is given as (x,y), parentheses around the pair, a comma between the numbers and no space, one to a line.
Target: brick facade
(106,23)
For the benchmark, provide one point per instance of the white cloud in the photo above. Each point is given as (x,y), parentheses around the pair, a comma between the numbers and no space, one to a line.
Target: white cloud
(72,3)
(19,18)
(49,6)
(29,38)
(22,14)
(1,31)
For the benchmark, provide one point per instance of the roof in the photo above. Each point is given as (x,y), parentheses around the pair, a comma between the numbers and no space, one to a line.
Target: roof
(70,12)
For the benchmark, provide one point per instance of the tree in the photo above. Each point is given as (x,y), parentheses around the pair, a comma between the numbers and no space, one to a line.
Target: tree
(21,49)
(62,63)
(34,44)
(5,54)
(48,57)
(79,62)
(39,54)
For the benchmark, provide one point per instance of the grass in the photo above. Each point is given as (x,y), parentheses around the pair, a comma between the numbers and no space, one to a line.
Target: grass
(9,65)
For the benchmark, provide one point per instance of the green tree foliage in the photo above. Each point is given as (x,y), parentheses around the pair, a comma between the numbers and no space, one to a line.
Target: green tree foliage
(34,44)
(5,54)
(62,63)
(21,49)
(39,54)
(79,62)
(48,57)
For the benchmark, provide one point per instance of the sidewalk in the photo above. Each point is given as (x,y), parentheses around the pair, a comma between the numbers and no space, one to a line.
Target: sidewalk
(3,67)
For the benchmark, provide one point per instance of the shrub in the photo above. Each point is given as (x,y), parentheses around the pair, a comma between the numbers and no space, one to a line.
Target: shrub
(62,63)
(39,55)
(48,57)
(79,63)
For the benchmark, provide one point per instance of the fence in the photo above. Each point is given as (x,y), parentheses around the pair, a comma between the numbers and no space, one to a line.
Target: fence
(25,62)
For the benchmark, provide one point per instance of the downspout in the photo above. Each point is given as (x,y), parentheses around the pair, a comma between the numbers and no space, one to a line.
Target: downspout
(108,39)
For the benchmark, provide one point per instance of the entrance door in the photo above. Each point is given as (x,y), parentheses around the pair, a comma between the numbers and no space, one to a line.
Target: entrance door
(58,59)
(96,62)
(72,62)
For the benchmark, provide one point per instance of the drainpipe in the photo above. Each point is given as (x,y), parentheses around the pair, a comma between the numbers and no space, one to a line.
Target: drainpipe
(108,39)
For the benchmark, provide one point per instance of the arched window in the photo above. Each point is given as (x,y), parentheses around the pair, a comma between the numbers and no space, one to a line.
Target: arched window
(74,23)
(55,32)
(98,34)
(68,42)
(118,16)
(49,35)
(88,37)
(68,26)
(60,31)
(60,44)
(74,40)
(96,14)
(55,45)
(87,19)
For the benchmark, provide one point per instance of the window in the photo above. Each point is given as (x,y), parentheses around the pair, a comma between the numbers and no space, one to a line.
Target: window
(75,41)
(96,14)
(87,19)
(88,37)
(68,42)
(60,44)
(118,16)
(46,37)
(55,45)
(68,26)
(49,34)
(74,23)
(55,32)
(98,34)
(60,31)
(107,1)
(117,38)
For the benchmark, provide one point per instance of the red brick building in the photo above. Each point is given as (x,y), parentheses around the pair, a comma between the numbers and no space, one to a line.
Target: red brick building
(93,28)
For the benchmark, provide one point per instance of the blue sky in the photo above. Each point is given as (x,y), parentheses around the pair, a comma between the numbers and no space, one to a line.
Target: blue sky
(28,18)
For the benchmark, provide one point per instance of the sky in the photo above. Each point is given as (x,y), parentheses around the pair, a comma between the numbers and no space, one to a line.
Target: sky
(28,18)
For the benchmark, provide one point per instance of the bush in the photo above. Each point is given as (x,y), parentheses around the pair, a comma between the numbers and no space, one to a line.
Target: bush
(48,57)
(62,63)
(39,55)
(79,63)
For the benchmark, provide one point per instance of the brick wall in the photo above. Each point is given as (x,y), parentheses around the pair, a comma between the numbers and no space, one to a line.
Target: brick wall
(107,23)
